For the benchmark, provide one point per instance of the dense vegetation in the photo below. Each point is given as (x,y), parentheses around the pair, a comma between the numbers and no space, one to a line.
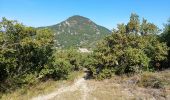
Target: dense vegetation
(65,61)
(77,31)
(132,48)
(29,55)
(24,53)
(165,37)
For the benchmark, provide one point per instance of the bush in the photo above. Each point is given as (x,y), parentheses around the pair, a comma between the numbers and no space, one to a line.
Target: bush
(63,63)
(135,60)
(59,70)
(24,52)
(128,51)
(72,56)
(165,37)
(105,73)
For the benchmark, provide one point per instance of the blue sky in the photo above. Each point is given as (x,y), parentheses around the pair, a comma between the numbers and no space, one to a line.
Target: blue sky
(107,13)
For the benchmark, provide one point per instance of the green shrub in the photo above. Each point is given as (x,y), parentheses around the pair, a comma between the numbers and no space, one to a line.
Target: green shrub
(63,63)
(61,69)
(105,73)
(134,61)
(165,37)
(75,58)
(128,51)
(24,51)
(72,56)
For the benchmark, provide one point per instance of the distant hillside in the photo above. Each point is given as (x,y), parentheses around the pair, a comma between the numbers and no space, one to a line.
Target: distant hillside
(78,31)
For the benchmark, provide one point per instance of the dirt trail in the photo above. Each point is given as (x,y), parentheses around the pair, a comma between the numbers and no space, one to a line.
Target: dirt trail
(79,85)
(109,89)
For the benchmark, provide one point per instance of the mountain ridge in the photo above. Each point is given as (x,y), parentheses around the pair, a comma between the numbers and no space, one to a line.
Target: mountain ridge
(77,31)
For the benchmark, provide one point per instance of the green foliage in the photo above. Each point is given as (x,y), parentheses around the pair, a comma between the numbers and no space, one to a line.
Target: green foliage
(78,31)
(61,69)
(134,61)
(148,28)
(166,34)
(134,23)
(165,37)
(27,55)
(24,51)
(128,51)
(73,57)
(65,61)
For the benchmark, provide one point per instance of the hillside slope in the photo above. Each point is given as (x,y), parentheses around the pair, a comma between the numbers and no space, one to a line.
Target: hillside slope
(78,31)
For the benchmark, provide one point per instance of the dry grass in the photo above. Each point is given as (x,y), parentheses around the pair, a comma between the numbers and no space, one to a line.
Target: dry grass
(75,95)
(39,88)
(131,88)
(155,80)
(116,88)
(27,93)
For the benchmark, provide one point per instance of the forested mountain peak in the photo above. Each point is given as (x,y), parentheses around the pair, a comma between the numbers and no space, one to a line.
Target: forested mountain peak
(78,31)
